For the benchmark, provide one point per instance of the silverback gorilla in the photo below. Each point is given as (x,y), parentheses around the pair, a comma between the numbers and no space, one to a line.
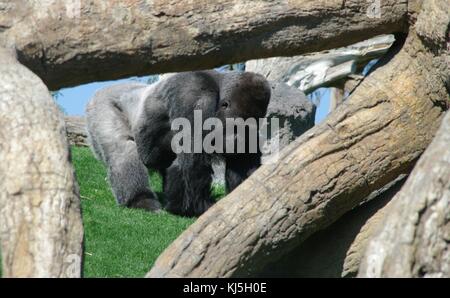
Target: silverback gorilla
(129,127)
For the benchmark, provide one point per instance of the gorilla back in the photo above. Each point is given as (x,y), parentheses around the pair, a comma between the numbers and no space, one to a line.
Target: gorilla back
(129,127)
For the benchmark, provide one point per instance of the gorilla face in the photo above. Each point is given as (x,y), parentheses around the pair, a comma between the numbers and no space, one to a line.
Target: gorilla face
(243,95)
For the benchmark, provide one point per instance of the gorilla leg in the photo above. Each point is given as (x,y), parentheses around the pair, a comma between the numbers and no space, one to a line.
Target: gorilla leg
(174,189)
(239,167)
(129,178)
(188,185)
(113,143)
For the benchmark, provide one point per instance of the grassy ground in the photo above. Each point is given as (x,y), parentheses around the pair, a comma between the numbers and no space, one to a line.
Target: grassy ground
(120,242)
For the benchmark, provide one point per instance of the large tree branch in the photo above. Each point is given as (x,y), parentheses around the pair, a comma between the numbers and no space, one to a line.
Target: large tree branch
(123,38)
(40,223)
(337,250)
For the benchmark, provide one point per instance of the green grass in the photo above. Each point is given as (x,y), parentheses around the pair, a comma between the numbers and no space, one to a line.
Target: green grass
(121,242)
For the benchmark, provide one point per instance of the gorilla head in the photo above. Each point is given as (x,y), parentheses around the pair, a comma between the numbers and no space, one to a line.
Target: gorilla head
(243,95)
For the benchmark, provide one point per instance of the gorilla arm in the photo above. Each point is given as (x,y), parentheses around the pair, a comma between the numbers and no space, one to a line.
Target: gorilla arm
(153,136)
(240,167)
(188,185)
(112,140)
(188,181)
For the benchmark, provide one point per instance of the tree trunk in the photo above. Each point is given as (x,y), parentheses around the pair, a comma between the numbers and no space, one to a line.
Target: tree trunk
(376,135)
(338,250)
(414,240)
(61,41)
(40,224)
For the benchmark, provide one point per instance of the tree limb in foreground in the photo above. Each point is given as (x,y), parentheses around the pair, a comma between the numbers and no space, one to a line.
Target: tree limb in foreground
(40,222)
(414,240)
(61,43)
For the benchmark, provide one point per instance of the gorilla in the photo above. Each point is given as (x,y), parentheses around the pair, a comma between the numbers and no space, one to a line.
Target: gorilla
(130,129)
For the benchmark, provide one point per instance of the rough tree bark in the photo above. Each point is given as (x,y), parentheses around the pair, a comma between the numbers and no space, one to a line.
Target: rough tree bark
(40,223)
(414,240)
(377,134)
(338,250)
(61,40)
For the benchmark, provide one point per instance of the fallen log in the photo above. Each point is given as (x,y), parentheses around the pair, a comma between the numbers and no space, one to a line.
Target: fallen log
(68,43)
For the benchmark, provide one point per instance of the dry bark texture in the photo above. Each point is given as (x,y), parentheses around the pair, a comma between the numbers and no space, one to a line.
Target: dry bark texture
(336,251)
(375,136)
(76,131)
(40,222)
(67,44)
(414,240)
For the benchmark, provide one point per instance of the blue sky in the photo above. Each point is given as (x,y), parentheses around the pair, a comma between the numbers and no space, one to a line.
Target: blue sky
(74,100)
